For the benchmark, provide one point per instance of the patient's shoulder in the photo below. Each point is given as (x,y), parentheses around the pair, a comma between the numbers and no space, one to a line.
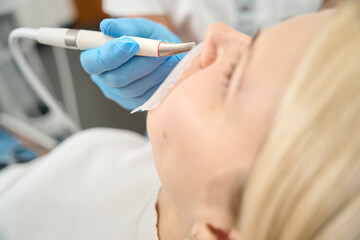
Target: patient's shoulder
(89,153)
(92,182)
(108,142)
(102,136)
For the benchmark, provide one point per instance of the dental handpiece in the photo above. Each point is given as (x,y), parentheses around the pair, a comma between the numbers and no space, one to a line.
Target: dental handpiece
(85,39)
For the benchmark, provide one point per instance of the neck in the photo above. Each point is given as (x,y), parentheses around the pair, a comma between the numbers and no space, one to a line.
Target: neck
(171,226)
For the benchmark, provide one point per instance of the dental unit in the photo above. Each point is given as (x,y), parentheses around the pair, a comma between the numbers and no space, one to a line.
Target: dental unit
(83,40)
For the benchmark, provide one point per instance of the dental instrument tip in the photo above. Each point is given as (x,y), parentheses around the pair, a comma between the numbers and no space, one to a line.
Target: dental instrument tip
(168,49)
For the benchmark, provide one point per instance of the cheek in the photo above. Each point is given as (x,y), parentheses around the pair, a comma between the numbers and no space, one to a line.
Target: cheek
(176,130)
(184,129)
(171,125)
(171,138)
(189,109)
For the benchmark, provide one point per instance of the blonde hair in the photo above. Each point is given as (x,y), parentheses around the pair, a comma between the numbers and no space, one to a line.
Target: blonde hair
(305,183)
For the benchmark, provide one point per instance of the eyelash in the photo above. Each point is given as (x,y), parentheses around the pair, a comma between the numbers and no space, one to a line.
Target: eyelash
(228,74)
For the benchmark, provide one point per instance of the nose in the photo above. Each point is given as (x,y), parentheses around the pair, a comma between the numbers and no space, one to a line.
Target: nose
(223,43)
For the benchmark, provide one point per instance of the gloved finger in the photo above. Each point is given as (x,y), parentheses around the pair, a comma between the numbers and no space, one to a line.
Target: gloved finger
(110,56)
(127,103)
(138,27)
(101,85)
(140,86)
(136,68)
(132,103)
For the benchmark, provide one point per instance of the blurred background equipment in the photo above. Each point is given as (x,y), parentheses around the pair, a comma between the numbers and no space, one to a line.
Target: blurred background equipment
(22,113)
(190,19)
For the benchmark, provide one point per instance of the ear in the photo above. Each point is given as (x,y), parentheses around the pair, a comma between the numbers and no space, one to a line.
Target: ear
(205,231)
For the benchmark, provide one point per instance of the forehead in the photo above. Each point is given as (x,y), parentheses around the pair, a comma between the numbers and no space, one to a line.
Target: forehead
(278,51)
(296,33)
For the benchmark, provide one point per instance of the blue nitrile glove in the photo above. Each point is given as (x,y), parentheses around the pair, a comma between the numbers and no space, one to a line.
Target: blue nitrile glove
(124,78)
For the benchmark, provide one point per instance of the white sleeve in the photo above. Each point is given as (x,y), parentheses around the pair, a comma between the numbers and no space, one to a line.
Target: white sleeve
(120,8)
(191,18)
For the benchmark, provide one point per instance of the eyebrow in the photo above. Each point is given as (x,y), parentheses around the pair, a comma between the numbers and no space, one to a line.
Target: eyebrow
(252,43)
(256,36)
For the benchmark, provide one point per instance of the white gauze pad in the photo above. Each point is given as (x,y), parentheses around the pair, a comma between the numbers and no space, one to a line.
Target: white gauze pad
(155,100)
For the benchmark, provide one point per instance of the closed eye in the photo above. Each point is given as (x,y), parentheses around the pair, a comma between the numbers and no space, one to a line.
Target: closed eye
(247,55)
(229,73)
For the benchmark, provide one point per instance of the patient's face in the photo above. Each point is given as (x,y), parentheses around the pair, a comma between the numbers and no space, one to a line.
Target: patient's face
(209,129)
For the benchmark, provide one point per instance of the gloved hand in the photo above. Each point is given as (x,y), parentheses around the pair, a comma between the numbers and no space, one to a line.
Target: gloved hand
(124,78)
